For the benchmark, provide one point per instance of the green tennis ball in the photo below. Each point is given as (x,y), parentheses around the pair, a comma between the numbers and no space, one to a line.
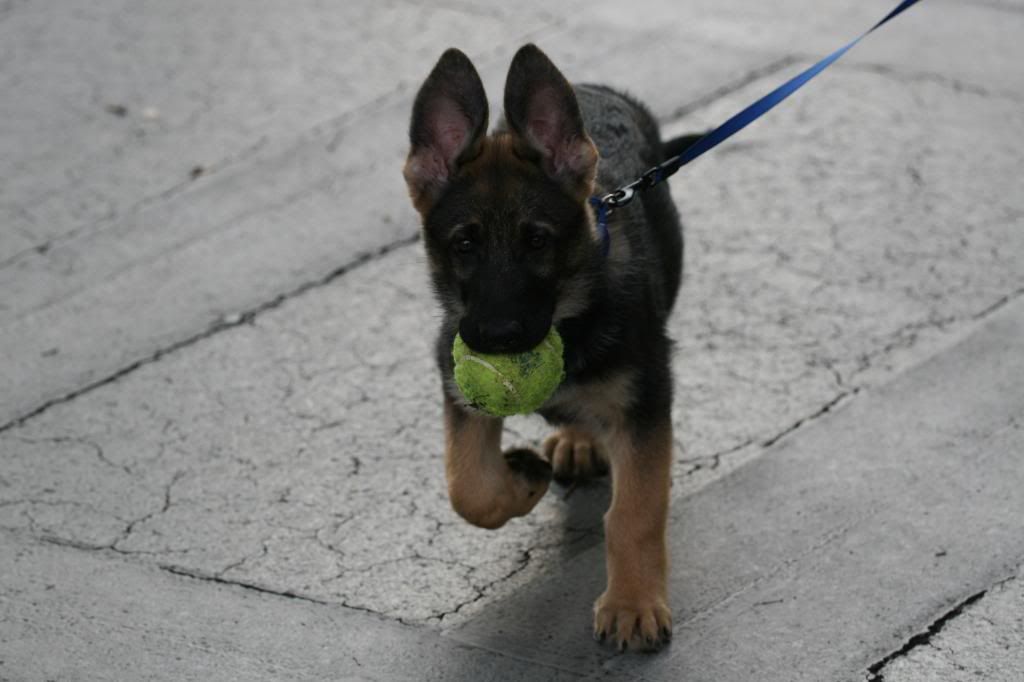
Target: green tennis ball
(514,383)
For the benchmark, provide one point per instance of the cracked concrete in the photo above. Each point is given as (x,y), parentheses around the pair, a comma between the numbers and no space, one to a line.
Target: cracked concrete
(147,624)
(289,211)
(825,273)
(847,539)
(295,452)
(979,640)
(278,430)
(167,89)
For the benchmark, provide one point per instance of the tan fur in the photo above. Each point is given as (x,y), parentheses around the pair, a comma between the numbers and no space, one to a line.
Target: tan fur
(599,406)
(482,487)
(420,194)
(634,607)
(587,159)
(503,148)
(575,299)
(574,454)
(425,187)
(499,149)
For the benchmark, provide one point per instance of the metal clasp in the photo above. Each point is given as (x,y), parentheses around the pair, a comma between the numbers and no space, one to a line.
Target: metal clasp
(619,197)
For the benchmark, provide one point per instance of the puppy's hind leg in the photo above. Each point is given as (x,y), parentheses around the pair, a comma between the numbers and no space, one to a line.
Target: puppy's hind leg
(488,487)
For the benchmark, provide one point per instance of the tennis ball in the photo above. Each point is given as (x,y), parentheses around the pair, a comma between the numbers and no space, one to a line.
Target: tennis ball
(514,383)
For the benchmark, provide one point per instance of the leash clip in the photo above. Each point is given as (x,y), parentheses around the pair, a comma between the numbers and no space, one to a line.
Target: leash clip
(625,194)
(619,197)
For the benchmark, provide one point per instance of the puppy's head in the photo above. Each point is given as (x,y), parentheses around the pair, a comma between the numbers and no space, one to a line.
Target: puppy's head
(505,217)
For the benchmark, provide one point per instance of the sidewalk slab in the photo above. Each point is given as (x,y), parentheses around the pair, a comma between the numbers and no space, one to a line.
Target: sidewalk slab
(969,43)
(112,105)
(813,562)
(299,139)
(114,252)
(833,549)
(134,256)
(301,452)
(67,614)
(982,642)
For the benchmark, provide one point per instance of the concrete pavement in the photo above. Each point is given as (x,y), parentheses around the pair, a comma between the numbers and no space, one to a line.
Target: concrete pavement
(228,377)
(844,553)
(981,641)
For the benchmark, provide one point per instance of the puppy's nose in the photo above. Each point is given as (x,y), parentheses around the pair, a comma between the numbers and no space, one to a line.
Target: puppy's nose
(500,335)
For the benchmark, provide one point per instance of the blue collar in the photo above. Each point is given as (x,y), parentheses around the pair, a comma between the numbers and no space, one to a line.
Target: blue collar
(601,210)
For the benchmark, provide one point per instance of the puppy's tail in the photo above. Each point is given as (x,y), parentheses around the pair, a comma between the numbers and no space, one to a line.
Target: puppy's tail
(677,145)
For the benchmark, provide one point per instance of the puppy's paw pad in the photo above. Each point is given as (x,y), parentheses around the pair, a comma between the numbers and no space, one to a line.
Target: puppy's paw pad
(574,455)
(529,465)
(633,626)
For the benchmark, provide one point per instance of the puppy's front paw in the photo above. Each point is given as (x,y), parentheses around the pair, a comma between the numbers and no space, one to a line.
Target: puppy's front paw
(640,624)
(574,455)
(533,472)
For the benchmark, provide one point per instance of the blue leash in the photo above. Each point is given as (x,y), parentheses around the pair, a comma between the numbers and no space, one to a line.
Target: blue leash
(625,194)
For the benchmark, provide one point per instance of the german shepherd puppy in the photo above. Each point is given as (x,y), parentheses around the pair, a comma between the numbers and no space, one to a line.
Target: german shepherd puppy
(513,248)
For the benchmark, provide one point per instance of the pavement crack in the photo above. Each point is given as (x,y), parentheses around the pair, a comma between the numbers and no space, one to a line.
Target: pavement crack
(903,75)
(1000,303)
(224,324)
(820,412)
(92,445)
(876,671)
(906,336)
(709,462)
(206,577)
(105,222)
(999,6)
(712,461)
(731,87)
(715,458)
(126,533)
(74,544)
(101,455)
(199,575)
(482,591)
(781,568)
(264,550)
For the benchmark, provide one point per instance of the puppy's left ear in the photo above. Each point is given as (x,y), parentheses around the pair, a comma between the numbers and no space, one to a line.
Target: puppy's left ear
(541,109)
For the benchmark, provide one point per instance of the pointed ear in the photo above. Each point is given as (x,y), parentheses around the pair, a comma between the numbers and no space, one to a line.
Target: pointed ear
(542,111)
(449,120)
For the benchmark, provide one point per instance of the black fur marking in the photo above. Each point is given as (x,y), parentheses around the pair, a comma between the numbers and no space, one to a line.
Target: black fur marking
(529,465)
(618,324)
(678,145)
(530,72)
(600,471)
(503,278)
(453,78)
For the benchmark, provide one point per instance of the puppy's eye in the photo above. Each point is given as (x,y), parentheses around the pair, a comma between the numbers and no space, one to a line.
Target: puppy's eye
(537,241)
(463,239)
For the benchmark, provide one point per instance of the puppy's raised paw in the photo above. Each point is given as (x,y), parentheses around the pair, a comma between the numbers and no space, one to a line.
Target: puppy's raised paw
(535,471)
(574,456)
(636,625)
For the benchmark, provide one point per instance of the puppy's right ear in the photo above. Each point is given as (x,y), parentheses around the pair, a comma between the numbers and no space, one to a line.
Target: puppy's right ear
(449,120)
